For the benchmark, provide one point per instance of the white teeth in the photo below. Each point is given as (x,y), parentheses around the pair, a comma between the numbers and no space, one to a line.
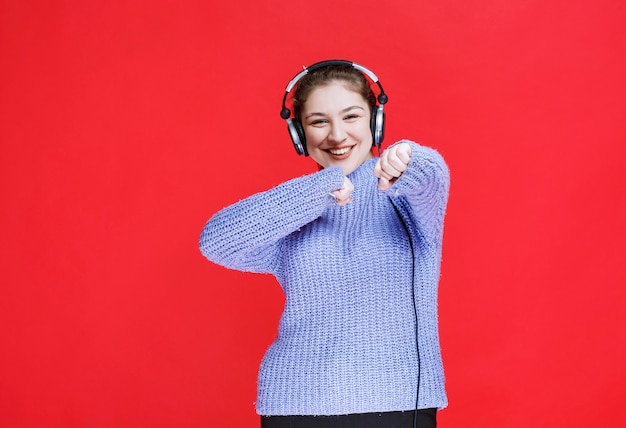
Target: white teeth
(339,152)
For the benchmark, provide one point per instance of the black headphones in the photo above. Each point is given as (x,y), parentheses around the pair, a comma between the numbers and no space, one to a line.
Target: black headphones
(296,131)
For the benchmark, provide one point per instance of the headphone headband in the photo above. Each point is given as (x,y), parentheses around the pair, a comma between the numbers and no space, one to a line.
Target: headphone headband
(382,97)
(295,127)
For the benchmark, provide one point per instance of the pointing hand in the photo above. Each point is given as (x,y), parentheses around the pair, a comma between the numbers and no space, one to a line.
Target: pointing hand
(343,195)
(391,164)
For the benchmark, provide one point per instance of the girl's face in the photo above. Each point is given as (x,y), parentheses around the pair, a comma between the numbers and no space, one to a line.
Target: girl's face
(336,122)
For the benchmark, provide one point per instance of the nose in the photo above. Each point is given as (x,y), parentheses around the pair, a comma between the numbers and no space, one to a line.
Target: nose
(337,133)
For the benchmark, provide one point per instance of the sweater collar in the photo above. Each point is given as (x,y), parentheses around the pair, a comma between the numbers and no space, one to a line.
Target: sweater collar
(364,172)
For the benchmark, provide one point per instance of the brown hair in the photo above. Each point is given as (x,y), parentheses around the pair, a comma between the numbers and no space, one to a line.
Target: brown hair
(354,80)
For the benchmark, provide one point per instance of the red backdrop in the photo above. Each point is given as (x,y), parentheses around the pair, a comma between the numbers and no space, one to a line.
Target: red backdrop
(125,125)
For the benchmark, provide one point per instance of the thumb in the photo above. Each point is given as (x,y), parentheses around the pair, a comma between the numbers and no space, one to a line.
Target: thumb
(383,183)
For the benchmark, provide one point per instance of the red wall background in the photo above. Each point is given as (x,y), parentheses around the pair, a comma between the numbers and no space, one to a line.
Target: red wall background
(125,125)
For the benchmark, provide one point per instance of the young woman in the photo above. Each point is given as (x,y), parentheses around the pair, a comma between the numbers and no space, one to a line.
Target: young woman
(356,247)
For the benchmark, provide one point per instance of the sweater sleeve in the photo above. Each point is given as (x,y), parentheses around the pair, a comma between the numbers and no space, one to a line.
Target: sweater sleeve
(247,235)
(425,184)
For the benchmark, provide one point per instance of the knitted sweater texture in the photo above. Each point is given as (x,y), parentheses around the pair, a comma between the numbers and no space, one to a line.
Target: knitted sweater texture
(356,278)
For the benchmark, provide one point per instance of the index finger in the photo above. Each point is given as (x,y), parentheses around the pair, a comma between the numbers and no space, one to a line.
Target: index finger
(404,153)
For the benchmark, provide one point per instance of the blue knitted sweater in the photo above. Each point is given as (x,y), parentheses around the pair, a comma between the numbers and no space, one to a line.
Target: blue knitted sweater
(346,340)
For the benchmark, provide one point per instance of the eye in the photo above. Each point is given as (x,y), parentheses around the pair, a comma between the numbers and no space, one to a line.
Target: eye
(318,122)
(351,117)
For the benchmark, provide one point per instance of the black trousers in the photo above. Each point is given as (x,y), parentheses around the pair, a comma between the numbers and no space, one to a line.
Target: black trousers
(426,418)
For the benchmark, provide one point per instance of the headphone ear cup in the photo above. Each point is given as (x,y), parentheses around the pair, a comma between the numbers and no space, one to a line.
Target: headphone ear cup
(297,136)
(377,125)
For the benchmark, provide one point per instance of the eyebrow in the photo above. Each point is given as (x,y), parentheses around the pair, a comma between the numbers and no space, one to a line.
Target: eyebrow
(345,110)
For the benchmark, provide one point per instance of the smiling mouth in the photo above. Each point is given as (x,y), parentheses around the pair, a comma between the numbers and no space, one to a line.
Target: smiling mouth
(339,152)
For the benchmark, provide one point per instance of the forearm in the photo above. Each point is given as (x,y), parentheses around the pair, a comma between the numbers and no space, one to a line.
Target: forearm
(247,235)
(425,184)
